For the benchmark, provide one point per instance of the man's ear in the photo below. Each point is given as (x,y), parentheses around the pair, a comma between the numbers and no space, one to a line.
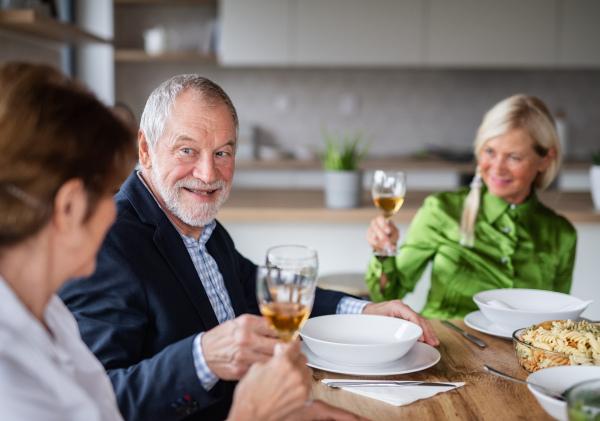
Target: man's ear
(144,150)
(70,205)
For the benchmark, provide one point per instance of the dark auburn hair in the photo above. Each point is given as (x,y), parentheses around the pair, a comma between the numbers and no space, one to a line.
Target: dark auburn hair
(52,129)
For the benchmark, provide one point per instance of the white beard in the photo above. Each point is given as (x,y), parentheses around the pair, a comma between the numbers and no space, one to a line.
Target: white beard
(192,214)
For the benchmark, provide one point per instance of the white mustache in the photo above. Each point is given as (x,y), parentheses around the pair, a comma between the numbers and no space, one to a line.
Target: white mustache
(199,185)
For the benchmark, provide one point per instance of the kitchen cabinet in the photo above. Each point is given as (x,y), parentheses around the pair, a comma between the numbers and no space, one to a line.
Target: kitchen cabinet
(579,42)
(358,33)
(256,33)
(505,33)
(423,33)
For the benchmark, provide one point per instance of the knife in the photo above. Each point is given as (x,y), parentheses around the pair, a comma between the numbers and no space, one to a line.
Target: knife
(385,383)
(470,337)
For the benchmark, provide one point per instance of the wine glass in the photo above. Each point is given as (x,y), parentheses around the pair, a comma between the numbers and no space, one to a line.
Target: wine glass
(285,288)
(388,194)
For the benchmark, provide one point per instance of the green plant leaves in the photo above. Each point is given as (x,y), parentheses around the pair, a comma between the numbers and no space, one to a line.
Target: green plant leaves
(342,152)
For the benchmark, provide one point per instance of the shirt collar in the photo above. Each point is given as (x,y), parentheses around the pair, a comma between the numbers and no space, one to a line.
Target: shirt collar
(493,206)
(191,242)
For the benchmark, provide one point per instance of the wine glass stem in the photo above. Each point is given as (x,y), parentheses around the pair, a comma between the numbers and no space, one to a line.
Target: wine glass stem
(388,250)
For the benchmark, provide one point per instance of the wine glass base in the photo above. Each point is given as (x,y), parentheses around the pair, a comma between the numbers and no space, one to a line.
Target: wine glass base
(386,253)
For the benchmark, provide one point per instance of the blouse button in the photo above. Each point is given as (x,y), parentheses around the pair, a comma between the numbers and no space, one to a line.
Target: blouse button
(506,229)
(512,206)
(504,260)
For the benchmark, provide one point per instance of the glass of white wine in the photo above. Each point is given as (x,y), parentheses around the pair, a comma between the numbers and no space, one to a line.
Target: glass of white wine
(388,194)
(285,288)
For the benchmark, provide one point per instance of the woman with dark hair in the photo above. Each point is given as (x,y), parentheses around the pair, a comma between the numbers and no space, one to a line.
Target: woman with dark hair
(494,234)
(62,157)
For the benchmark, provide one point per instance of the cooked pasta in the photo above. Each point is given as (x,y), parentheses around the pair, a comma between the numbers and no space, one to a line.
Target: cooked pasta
(568,343)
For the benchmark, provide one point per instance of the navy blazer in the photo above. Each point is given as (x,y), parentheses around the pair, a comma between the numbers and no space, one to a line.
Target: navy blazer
(142,308)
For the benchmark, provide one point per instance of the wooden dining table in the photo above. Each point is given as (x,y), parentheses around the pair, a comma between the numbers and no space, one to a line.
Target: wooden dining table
(483,397)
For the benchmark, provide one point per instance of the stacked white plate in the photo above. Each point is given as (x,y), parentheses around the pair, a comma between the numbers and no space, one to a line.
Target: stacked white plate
(502,311)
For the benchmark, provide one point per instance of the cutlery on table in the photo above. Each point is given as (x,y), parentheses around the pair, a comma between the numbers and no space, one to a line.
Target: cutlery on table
(384,383)
(542,389)
(470,337)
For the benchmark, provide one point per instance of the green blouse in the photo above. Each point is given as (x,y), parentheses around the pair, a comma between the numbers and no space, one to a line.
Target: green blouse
(516,246)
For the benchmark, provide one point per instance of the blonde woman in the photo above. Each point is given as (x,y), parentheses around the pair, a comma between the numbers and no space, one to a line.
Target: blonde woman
(62,157)
(493,234)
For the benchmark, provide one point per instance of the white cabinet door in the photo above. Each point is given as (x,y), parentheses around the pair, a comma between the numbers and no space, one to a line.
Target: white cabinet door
(255,32)
(579,29)
(358,32)
(485,33)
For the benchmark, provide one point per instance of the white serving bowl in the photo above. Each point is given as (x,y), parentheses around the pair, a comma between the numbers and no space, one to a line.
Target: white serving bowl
(529,306)
(360,339)
(559,379)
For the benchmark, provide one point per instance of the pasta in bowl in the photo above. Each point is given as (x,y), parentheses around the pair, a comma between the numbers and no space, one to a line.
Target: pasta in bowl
(557,343)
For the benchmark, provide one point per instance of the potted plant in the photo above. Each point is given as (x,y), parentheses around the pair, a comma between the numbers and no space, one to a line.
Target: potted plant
(343,178)
(595,179)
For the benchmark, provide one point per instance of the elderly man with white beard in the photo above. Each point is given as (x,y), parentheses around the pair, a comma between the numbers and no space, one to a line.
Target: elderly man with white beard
(171,310)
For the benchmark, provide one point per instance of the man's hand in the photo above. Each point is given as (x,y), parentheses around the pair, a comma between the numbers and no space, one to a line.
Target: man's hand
(232,347)
(271,391)
(321,411)
(396,308)
(382,234)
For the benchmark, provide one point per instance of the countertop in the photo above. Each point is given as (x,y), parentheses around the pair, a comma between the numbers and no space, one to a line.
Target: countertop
(272,205)
(397,163)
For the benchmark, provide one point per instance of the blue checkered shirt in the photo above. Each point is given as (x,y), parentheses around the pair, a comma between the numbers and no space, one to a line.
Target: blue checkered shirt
(214,285)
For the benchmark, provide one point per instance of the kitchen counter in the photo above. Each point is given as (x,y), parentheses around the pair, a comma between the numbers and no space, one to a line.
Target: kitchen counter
(285,205)
(393,163)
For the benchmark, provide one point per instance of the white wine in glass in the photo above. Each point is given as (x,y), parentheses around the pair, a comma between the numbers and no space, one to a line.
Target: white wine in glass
(286,288)
(388,194)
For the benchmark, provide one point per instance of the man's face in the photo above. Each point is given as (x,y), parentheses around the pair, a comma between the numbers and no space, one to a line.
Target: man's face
(192,165)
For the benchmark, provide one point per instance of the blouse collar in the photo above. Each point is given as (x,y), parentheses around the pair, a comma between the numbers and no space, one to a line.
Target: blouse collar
(493,206)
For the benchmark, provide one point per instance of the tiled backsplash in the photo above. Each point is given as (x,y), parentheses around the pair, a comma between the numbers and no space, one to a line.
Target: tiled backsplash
(402,109)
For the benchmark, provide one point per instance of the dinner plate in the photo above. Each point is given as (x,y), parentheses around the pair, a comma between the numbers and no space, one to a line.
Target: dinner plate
(420,357)
(476,320)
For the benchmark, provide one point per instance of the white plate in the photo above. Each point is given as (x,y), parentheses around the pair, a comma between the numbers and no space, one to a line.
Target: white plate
(420,357)
(476,320)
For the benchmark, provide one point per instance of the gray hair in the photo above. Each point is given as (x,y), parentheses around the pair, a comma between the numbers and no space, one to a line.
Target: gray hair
(160,104)
(518,111)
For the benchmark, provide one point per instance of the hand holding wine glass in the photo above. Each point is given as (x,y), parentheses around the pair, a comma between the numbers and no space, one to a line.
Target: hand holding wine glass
(286,288)
(388,194)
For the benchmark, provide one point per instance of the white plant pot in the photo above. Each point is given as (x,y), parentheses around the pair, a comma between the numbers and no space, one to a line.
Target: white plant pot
(595,185)
(343,189)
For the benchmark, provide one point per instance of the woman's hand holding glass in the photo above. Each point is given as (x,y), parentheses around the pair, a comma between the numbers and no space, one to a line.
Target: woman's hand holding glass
(388,194)
(382,235)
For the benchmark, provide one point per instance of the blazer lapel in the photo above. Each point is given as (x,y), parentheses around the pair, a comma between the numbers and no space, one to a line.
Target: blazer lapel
(169,242)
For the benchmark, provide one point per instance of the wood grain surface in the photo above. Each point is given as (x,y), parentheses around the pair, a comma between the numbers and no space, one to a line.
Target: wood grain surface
(291,205)
(483,397)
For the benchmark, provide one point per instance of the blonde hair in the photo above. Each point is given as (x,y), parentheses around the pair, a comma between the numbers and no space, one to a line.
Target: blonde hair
(519,111)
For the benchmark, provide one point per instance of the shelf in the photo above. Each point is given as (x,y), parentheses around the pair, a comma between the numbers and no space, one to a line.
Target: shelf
(164,2)
(398,163)
(140,56)
(28,22)
(291,205)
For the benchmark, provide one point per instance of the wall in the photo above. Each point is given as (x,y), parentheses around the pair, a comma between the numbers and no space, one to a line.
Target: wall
(403,109)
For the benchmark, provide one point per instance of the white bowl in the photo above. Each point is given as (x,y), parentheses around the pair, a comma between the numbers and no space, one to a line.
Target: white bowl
(559,379)
(529,306)
(359,339)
